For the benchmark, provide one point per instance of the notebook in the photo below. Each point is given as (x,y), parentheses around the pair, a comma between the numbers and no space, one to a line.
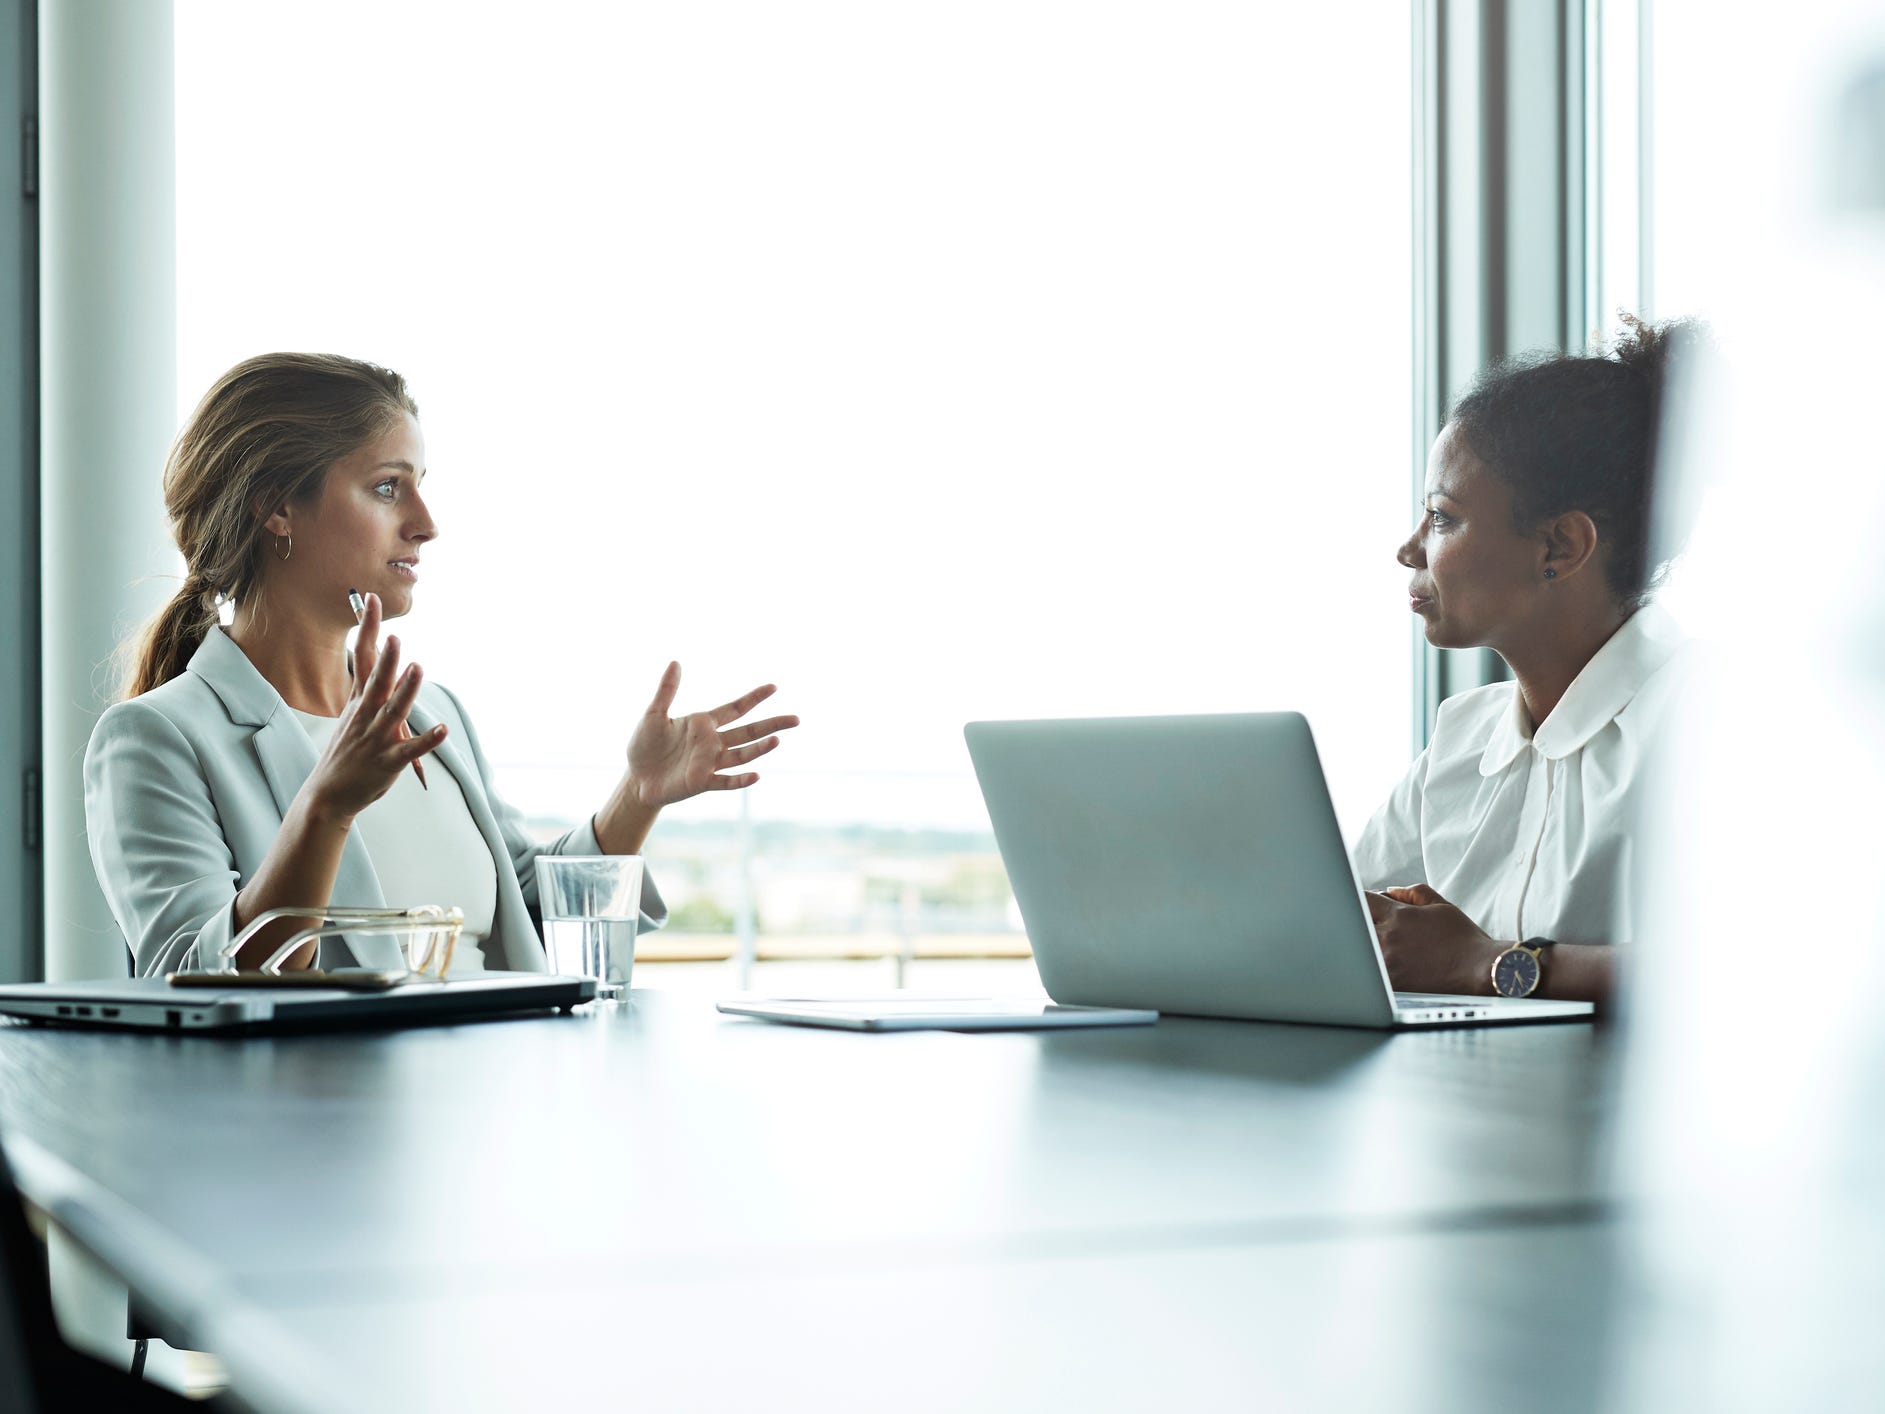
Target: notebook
(919,1013)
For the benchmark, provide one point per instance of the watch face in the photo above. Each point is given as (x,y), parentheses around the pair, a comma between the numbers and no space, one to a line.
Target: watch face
(1515,974)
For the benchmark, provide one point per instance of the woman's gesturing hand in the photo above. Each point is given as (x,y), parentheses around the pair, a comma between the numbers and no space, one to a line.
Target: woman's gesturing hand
(369,747)
(1429,945)
(672,758)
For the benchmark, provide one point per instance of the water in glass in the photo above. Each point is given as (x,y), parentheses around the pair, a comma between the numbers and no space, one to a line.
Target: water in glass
(602,948)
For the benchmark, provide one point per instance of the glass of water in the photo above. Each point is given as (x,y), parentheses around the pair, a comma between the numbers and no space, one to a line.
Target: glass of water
(591,904)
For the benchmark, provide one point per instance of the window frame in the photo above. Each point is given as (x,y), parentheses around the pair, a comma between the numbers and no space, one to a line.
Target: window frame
(21,876)
(1501,251)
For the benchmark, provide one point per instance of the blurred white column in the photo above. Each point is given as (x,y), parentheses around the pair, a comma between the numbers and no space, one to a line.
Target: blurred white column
(108,402)
(1753,1135)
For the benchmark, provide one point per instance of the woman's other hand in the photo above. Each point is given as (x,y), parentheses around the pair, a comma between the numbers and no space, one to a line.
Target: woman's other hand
(369,747)
(673,758)
(1429,945)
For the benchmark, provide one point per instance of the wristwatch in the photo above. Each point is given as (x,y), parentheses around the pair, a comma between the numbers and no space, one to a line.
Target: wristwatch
(1519,970)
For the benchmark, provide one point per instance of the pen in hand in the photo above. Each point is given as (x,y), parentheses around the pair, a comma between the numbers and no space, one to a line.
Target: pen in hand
(359,606)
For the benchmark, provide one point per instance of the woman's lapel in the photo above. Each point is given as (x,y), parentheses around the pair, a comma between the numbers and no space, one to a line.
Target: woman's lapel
(510,920)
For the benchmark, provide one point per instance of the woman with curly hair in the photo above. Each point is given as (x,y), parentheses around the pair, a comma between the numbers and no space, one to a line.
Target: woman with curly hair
(1502,862)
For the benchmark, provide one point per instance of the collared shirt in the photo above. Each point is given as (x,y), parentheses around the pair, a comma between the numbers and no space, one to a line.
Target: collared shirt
(1530,832)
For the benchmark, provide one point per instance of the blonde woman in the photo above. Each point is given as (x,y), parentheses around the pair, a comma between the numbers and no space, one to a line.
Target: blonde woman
(261,765)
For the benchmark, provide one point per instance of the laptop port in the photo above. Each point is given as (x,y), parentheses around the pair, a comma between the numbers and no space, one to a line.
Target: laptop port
(65,1011)
(85,1011)
(173,1018)
(108,1011)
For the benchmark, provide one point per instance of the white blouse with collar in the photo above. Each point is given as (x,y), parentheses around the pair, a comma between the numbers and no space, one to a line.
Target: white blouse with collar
(1530,833)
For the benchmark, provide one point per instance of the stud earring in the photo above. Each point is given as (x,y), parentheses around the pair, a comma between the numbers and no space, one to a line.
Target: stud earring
(1551,573)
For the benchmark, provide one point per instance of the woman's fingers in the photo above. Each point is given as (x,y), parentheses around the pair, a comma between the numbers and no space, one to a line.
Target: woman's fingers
(731,782)
(665,691)
(739,736)
(399,703)
(740,755)
(385,674)
(420,744)
(740,706)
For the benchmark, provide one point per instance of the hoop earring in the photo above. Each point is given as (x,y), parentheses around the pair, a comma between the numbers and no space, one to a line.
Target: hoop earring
(291,547)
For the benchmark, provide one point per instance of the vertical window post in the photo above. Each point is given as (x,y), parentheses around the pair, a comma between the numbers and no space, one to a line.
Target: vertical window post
(20,771)
(1498,173)
(107,407)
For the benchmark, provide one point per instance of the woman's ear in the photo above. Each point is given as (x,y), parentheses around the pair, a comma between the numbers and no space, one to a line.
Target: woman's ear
(275,522)
(1570,544)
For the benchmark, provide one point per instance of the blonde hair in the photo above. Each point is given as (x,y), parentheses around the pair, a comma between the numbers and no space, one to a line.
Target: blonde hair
(264,435)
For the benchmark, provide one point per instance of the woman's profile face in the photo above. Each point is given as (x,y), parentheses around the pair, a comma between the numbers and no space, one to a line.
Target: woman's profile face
(366,528)
(1473,574)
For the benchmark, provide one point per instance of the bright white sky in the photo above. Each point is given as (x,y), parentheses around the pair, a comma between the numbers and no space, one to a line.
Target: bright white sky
(993,358)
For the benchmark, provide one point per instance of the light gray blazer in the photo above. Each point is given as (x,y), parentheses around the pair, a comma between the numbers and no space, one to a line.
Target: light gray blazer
(186,788)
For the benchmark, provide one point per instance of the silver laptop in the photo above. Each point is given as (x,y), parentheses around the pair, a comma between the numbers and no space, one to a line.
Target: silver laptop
(1194,865)
(152,1004)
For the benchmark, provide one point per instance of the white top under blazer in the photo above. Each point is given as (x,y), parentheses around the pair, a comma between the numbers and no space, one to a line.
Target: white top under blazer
(1530,832)
(186,788)
(426,848)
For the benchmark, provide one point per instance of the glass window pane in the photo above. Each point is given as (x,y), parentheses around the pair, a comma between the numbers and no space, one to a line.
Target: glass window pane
(1615,174)
(936,362)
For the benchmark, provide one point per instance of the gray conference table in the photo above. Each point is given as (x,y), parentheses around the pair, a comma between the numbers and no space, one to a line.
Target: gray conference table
(654,1205)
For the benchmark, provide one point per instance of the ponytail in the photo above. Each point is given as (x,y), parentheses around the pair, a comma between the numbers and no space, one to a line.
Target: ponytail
(169,641)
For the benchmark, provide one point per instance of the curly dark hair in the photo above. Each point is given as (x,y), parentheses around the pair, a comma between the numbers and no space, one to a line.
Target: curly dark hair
(1578,432)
